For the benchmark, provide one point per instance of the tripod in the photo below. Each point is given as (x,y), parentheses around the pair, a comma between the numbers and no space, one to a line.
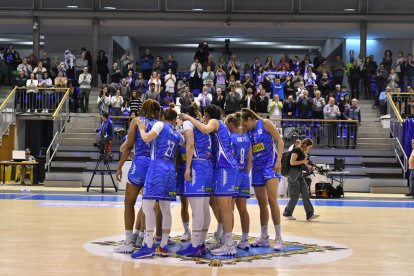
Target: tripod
(102,166)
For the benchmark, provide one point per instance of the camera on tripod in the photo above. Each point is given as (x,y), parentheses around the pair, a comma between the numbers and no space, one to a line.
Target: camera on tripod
(101,147)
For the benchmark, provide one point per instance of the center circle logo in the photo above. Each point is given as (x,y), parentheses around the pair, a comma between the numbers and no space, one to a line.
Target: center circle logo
(300,250)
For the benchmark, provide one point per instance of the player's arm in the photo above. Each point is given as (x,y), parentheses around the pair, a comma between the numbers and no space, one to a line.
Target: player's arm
(250,159)
(152,134)
(204,128)
(271,128)
(189,152)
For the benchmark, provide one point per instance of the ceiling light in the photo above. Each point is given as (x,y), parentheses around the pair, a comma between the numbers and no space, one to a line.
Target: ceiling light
(72,7)
(109,8)
(197,9)
(349,10)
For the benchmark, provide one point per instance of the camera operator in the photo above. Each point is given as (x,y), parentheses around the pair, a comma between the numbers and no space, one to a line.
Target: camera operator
(203,52)
(297,183)
(106,134)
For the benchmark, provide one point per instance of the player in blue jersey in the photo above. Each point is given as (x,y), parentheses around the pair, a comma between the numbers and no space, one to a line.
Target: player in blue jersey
(225,172)
(265,172)
(185,216)
(160,182)
(243,153)
(149,113)
(198,182)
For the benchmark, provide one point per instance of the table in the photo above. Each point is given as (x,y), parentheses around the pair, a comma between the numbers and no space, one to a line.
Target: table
(3,165)
(340,179)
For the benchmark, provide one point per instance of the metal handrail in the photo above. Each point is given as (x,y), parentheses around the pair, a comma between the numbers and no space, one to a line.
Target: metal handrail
(404,162)
(61,104)
(48,157)
(8,98)
(394,107)
(2,106)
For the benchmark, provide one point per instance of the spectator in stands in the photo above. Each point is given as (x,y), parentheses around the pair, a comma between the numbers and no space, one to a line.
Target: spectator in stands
(152,93)
(186,100)
(295,64)
(354,77)
(305,63)
(84,81)
(106,133)
(116,103)
(324,85)
(248,82)
(26,67)
(17,60)
(125,109)
(283,63)
(196,74)
(31,91)
(318,103)
(289,108)
(239,88)
(54,68)
(140,85)
(221,78)
(48,96)
(202,52)
(181,84)
(312,90)
(300,89)
(210,63)
(219,99)
(304,106)
(408,68)
(39,70)
(297,78)
(135,102)
(155,79)
(335,93)
(233,101)
(32,59)
(102,66)
(397,65)
(23,168)
(270,64)
(45,60)
(222,63)
(276,109)
(255,67)
(73,98)
(289,88)
(248,101)
(88,57)
(70,64)
(19,99)
(146,62)
(171,63)
(393,80)
(381,77)
(61,80)
(353,113)
(387,60)
(9,56)
(204,99)
(233,67)
(338,70)
(210,87)
(170,81)
(208,75)
(331,112)
(130,79)
(383,100)
(277,88)
(126,58)
(158,65)
(104,100)
(80,63)
(309,78)
(323,69)
(262,102)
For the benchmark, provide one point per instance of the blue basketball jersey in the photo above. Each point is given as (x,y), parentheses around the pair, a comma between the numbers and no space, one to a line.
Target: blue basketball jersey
(264,147)
(142,148)
(223,148)
(202,143)
(165,146)
(241,145)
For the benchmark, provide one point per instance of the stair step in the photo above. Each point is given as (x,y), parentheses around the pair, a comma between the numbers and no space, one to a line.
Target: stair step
(84,119)
(87,136)
(74,129)
(384,175)
(375,146)
(66,169)
(374,134)
(382,164)
(91,126)
(376,140)
(77,141)
(389,190)
(64,183)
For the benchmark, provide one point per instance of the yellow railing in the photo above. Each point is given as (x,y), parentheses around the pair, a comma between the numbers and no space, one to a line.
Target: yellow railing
(3,104)
(393,106)
(62,102)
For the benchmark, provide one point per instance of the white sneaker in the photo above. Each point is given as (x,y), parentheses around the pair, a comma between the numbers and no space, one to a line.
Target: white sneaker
(139,241)
(261,242)
(186,236)
(35,111)
(127,248)
(290,217)
(214,239)
(313,217)
(245,245)
(46,111)
(278,244)
(225,250)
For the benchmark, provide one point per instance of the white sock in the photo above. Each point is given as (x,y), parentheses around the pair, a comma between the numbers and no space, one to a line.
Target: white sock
(203,237)
(186,229)
(229,239)
(195,238)
(164,239)
(277,230)
(264,232)
(141,234)
(128,236)
(149,238)
(219,229)
(136,231)
(245,236)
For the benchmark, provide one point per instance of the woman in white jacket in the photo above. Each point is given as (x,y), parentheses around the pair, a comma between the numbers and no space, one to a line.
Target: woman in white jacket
(104,101)
(47,95)
(31,85)
(117,101)
(195,75)
(170,81)
(208,75)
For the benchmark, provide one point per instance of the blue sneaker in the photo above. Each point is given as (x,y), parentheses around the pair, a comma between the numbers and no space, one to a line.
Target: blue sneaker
(144,252)
(192,251)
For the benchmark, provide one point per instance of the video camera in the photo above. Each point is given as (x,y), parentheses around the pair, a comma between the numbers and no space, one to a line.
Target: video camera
(101,147)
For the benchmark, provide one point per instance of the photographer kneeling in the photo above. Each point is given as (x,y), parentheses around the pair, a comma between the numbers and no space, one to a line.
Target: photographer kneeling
(106,135)
(297,183)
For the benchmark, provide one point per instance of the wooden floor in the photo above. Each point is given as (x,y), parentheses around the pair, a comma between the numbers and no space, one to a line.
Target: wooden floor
(41,240)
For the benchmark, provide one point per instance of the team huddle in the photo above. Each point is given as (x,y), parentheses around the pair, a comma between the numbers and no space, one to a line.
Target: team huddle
(207,163)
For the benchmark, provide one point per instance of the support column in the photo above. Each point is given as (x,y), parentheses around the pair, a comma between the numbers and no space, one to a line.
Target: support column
(36,36)
(363,38)
(95,45)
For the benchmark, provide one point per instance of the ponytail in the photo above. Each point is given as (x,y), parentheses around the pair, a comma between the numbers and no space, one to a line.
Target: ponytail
(247,113)
(234,119)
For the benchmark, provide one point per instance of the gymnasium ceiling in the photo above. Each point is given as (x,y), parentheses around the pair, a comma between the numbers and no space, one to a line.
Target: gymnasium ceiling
(173,22)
